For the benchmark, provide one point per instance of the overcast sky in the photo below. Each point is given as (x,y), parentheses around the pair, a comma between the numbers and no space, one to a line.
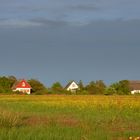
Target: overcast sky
(62,40)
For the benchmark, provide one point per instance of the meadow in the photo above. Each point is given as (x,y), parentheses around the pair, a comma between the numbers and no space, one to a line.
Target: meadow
(69,117)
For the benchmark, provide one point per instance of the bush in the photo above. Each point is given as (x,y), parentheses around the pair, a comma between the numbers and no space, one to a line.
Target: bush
(41,92)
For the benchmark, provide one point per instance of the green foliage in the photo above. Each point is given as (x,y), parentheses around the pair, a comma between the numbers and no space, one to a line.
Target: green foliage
(110,91)
(124,87)
(37,87)
(57,88)
(97,87)
(91,88)
(81,85)
(100,87)
(6,84)
(121,88)
(82,92)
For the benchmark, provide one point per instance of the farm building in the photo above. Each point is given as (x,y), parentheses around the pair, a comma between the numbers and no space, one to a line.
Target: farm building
(72,86)
(134,86)
(22,86)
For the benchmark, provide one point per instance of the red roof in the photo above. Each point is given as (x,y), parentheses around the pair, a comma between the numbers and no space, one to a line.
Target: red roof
(23,84)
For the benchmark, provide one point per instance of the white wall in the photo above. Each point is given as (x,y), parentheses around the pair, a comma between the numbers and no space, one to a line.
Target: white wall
(24,90)
(135,91)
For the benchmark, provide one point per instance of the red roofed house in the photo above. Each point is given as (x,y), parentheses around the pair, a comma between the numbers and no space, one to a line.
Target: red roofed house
(22,86)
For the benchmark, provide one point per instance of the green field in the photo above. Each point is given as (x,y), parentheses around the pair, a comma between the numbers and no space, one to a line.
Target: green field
(66,117)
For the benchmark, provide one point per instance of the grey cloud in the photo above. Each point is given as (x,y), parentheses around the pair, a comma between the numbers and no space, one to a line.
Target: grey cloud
(47,22)
(34,22)
(75,12)
(62,22)
(84,7)
(31,9)
(18,23)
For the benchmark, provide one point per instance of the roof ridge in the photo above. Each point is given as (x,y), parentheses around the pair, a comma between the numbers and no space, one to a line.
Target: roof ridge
(69,83)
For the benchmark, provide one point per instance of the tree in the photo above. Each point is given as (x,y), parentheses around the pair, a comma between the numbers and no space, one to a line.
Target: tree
(121,87)
(100,87)
(91,88)
(97,87)
(57,88)
(81,86)
(12,78)
(6,84)
(110,90)
(37,86)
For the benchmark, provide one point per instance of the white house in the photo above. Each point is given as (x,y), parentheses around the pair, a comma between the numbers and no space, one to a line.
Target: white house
(72,86)
(134,86)
(22,86)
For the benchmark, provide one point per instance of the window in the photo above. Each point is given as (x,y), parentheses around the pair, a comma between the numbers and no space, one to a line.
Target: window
(23,84)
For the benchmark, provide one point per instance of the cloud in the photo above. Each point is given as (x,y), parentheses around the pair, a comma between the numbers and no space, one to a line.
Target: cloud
(19,23)
(48,22)
(74,12)
(88,7)
(34,22)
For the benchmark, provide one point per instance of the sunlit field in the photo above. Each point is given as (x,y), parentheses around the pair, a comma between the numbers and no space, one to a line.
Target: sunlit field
(69,117)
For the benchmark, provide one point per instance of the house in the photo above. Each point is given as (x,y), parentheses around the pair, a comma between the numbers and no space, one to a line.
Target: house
(134,86)
(22,86)
(72,86)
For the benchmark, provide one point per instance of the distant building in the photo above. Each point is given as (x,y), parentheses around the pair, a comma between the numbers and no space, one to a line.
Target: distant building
(134,86)
(22,86)
(72,86)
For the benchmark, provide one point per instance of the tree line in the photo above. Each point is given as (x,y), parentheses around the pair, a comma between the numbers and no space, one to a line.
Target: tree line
(92,88)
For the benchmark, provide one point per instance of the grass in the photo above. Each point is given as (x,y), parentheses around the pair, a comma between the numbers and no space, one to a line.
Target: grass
(62,117)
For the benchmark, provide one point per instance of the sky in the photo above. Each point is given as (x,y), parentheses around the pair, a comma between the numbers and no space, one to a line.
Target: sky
(63,40)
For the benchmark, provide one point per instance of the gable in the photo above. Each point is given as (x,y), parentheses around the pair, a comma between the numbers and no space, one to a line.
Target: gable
(72,85)
(22,84)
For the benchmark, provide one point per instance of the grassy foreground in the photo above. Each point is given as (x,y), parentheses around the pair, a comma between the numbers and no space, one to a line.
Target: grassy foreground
(63,117)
